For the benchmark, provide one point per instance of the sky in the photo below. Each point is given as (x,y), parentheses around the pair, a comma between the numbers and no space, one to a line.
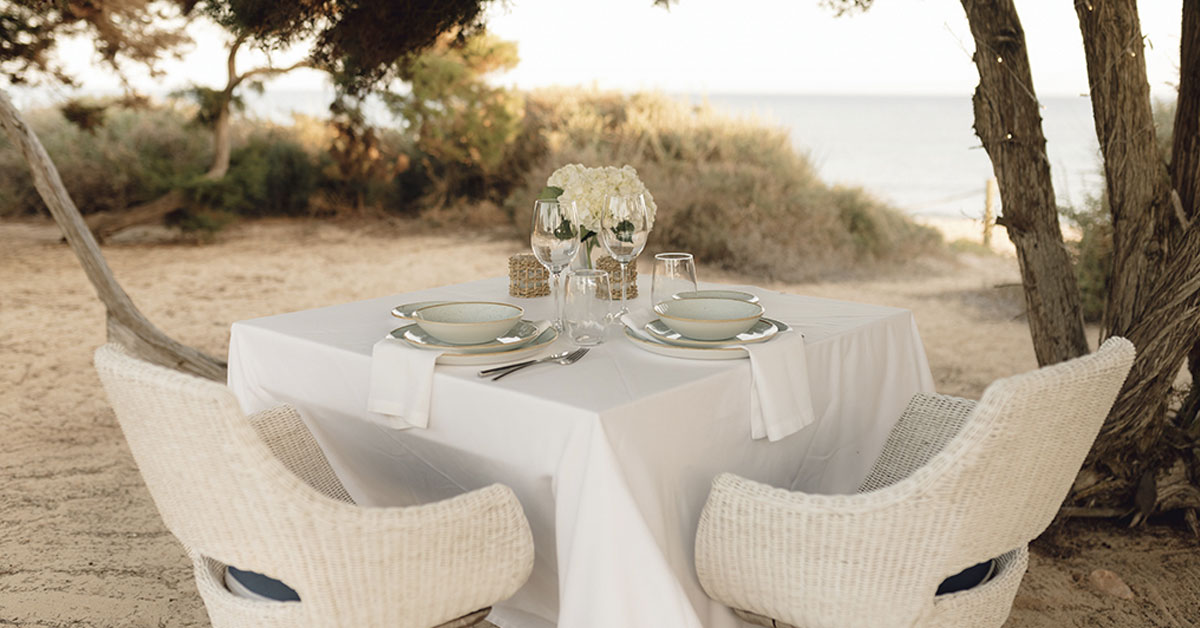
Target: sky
(722,46)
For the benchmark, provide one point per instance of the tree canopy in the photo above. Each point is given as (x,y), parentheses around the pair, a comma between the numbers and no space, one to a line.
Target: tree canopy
(140,31)
(361,42)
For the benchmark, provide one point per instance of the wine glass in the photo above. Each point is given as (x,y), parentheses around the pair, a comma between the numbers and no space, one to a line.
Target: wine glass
(555,240)
(624,227)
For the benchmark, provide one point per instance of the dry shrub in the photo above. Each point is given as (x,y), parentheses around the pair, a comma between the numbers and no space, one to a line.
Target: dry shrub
(135,155)
(732,191)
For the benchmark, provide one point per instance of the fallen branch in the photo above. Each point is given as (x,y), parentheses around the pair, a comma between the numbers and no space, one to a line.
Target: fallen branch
(125,322)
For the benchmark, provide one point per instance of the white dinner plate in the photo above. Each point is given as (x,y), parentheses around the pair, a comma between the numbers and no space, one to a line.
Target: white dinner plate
(762,331)
(521,333)
(526,350)
(406,311)
(653,345)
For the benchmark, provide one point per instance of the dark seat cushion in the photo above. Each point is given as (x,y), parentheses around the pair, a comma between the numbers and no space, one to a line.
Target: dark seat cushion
(265,586)
(968,578)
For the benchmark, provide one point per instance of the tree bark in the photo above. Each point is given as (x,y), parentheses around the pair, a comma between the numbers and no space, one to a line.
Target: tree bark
(125,323)
(1185,164)
(1009,124)
(106,224)
(1154,296)
(1185,147)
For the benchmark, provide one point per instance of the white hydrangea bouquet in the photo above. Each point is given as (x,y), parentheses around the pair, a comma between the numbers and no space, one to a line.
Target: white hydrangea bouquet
(588,187)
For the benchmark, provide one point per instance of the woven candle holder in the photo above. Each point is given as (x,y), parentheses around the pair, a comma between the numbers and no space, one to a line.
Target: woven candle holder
(527,277)
(614,276)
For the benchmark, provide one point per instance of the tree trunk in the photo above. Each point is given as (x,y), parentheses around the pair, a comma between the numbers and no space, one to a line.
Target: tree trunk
(1154,298)
(1185,166)
(222,143)
(106,224)
(1008,123)
(125,323)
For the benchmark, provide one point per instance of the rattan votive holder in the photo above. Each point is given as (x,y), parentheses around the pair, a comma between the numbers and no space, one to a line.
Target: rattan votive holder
(527,277)
(614,276)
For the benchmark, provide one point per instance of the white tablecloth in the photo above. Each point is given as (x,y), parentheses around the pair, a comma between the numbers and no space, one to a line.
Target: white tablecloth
(611,457)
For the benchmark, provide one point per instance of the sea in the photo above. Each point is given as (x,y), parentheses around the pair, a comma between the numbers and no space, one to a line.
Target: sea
(920,153)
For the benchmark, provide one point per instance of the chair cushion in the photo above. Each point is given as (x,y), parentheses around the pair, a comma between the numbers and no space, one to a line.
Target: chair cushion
(968,578)
(256,586)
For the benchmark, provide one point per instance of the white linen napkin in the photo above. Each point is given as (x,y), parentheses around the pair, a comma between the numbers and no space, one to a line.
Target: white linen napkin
(401,383)
(780,399)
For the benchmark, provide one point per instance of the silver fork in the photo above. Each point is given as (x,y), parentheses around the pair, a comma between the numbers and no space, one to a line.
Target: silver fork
(563,358)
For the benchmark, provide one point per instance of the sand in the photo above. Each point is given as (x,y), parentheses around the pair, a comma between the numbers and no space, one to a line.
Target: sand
(81,543)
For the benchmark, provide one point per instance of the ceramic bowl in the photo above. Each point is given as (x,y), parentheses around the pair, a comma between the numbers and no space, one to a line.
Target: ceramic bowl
(467,322)
(709,318)
(717,294)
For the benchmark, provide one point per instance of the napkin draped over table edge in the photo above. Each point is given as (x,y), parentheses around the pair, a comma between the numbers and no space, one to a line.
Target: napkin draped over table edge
(401,388)
(780,397)
(401,383)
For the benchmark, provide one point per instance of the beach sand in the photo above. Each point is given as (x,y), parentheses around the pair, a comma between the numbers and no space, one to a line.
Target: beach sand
(81,543)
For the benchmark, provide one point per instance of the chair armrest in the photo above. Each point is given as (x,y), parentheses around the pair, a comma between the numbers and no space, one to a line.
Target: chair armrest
(927,424)
(820,560)
(288,438)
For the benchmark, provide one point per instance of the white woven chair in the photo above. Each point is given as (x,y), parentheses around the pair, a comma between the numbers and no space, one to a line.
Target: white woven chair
(258,493)
(958,483)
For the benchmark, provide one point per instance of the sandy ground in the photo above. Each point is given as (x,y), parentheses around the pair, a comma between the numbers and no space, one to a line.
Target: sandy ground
(81,543)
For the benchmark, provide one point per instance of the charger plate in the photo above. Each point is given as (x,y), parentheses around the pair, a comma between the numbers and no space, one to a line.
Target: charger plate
(459,358)
(762,331)
(524,331)
(653,345)
(406,310)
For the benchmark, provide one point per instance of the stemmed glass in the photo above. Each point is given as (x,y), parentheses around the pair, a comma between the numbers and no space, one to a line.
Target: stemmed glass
(555,240)
(624,227)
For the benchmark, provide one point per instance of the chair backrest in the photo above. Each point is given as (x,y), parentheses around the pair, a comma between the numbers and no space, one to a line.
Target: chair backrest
(200,458)
(998,484)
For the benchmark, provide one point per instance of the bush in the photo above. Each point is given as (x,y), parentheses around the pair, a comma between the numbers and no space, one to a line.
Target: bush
(134,156)
(270,175)
(1093,255)
(732,191)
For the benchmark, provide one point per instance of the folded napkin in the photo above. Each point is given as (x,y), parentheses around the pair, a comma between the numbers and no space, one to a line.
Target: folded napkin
(780,400)
(401,383)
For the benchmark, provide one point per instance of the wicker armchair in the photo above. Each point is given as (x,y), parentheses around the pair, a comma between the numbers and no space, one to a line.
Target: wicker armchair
(260,495)
(958,483)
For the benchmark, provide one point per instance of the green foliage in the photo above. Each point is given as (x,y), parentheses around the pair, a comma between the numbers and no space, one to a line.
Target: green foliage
(133,157)
(732,191)
(122,30)
(270,175)
(209,103)
(362,42)
(464,127)
(84,114)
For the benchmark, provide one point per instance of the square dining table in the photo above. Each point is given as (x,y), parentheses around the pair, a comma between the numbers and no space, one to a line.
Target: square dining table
(611,457)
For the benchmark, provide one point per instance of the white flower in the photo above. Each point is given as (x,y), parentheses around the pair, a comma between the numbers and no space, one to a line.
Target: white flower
(588,186)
